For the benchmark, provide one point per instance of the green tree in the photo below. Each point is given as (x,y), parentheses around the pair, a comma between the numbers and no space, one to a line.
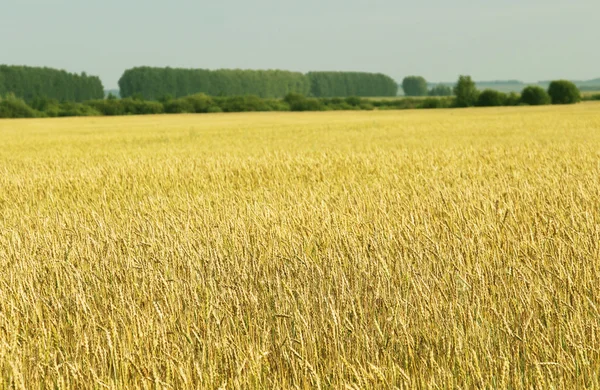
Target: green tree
(535,96)
(440,90)
(414,86)
(155,83)
(29,83)
(466,92)
(345,84)
(491,98)
(564,92)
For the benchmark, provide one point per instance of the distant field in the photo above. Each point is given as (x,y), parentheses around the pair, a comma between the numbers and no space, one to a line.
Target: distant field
(404,249)
(590,93)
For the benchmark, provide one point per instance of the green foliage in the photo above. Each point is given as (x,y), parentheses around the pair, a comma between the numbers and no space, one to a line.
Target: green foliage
(491,98)
(466,92)
(414,86)
(564,92)
(14,107)
(201,103)
(435,102)
(398,104)
(353,101)
(512,99)
(440,90)
(298,102)
(248,104)
(535,96)
(127,106)
(30,83)
(77,109)
(179,106)
(342,84)
(158,83)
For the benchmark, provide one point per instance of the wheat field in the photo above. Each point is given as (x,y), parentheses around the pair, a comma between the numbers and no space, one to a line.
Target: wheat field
(346,250)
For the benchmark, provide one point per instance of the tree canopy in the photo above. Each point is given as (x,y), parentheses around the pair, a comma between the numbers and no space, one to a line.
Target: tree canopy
(466,92)
(564,92)
(30,83)
(535,96)
(343,84)
(157,83)
(414,86)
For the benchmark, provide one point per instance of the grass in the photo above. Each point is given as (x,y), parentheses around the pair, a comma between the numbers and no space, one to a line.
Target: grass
(413,249)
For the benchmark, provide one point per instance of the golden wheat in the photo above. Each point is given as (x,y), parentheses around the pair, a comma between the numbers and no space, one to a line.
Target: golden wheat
(414,249)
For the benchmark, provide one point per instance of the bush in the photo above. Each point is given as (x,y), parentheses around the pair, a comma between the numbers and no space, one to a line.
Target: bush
(109,107)
(564,92)
(13,107)
(141,107)
(244,104)
(299,102)
(433,102)
(46,107)
(398,104)
(491,98)
(308,104)
(127,106)
(179,106)
(200,102)
(535,96)
(512,99)
(466,92)
(77,109)
(354,101)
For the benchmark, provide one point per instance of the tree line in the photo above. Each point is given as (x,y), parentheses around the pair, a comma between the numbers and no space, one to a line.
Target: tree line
(466,95)
(558,92)
(34,83)
(160,83)
(13,107)
(340,84)
(30,83)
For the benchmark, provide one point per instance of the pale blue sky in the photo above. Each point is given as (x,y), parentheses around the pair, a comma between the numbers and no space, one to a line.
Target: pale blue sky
(528,40)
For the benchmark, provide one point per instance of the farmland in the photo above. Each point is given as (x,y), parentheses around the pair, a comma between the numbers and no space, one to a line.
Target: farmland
(379,249)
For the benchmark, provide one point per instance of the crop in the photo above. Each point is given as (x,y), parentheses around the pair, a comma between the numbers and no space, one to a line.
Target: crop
(414,249)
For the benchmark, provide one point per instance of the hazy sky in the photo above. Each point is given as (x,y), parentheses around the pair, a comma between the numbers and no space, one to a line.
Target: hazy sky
(528,40)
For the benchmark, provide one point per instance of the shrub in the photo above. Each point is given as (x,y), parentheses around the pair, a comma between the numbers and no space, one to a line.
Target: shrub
(127,106)
(13,107)
(512,99)
(77,109)
(46,107)
(564,92)
(140,107)
(243,104)
(200,102)
(535,96)
(491,98)
(298,102)
(109,107)
(433,102)
(179,106)
(353,101)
